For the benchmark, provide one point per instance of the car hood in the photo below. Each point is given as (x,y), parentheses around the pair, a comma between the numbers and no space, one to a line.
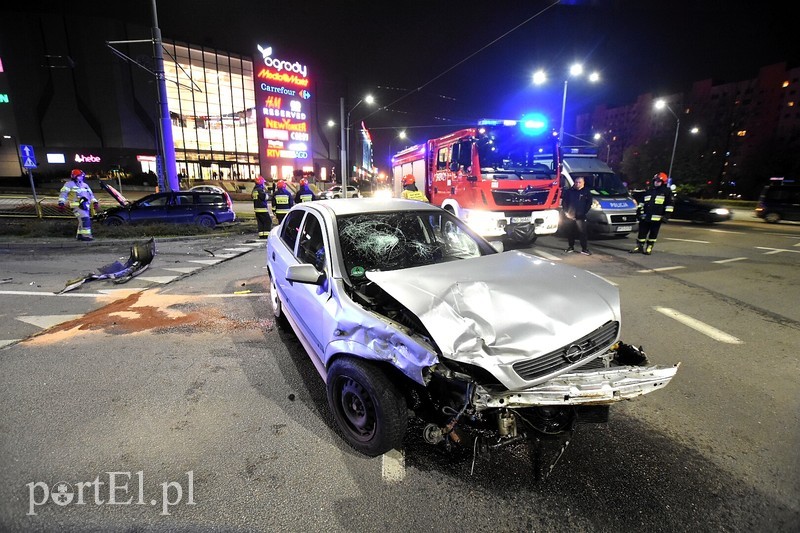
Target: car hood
(115,194)
(508,305)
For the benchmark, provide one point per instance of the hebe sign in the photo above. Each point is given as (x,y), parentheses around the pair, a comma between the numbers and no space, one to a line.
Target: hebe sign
(283,104)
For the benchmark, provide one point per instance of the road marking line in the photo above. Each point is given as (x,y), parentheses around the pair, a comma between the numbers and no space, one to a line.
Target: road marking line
(158,279)
(182,270)
(776,250)
(731,260)
(234,295)
(7,342)
(726,231)
(661,269)
(238,250)
(393,466)
(34,293)
(205,261)
(46,321)
(688,240)
(254,244)
(696,325)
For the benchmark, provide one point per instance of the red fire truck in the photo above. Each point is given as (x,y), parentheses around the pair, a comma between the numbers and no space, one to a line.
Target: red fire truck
(487,176)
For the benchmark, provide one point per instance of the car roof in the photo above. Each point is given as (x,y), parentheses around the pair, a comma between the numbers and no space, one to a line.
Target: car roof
(352,206)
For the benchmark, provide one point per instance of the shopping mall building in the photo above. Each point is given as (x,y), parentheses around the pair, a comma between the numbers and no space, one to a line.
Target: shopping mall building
(87,95)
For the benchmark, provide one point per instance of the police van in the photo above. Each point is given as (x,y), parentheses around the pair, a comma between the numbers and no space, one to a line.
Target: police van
(613,211)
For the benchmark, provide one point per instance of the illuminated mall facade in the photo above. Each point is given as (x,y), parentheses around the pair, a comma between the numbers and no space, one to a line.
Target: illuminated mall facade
(88,97)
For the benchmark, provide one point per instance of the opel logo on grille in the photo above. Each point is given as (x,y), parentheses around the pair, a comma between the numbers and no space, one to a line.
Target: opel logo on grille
(573,353)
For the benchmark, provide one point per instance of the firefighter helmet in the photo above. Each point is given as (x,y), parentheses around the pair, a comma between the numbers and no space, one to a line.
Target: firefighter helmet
(661,176)
(303,182)
(260,180)
(78,174)
(281,184)
(409,179)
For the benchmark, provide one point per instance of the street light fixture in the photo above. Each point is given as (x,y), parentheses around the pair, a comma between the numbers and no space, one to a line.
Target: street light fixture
(575,70)
(598,137)
(661,104)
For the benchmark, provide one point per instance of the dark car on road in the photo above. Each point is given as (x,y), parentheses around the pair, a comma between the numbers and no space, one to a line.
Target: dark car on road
(205,209)
(694,210)
(779,202)
(699,211)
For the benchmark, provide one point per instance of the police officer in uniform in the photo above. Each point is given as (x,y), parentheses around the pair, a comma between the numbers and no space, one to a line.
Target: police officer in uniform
(261,208)
(304,193)
(655,208)
(282,200)
(81,199)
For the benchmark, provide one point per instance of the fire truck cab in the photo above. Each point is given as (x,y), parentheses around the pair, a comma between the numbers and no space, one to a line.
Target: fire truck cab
(487,176)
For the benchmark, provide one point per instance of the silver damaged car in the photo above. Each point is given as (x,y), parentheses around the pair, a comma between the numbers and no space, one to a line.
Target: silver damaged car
(404,309)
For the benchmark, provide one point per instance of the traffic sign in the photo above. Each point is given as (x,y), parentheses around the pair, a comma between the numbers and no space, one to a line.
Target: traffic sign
(28,156)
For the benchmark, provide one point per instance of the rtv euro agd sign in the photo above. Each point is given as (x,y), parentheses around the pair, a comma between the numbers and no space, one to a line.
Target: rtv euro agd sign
(111,488)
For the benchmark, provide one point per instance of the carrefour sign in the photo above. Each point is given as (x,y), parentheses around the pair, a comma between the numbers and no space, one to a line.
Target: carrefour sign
(283,103)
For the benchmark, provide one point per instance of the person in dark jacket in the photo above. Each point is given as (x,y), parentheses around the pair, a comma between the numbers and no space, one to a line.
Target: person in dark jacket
(655,208)
(261,208)
(575,204)
(304,193)
(282,200)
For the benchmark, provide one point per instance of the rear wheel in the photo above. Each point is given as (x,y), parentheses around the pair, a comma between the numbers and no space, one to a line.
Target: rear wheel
(699,218)
(114,221)
(277,306)
(368,408)
(206,221)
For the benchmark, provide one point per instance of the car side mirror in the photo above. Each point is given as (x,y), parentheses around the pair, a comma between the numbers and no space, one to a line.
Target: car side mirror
(305,273)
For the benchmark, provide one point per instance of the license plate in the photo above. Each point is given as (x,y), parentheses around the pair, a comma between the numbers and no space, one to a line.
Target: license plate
(624,228)
(520,220)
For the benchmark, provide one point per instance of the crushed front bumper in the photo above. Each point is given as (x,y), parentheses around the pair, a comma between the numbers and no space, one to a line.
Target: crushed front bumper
(595,387)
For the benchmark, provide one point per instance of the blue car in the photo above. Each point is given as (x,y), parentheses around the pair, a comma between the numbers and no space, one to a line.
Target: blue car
(204,209)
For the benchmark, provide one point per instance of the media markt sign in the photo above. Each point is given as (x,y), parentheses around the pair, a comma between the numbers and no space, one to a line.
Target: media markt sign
(27,155)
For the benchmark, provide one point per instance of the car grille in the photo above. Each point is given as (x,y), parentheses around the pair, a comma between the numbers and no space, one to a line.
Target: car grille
(590,345)
(623,219)
(515,197)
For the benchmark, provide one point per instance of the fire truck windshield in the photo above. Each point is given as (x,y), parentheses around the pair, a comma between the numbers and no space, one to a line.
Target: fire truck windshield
(508,148)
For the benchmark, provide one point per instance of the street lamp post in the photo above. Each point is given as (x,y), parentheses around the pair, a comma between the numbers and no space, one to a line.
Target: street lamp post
(345,127)
(575,70)
(660,104)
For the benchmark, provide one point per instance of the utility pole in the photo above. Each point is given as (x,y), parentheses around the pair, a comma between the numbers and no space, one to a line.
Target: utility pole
(165,124)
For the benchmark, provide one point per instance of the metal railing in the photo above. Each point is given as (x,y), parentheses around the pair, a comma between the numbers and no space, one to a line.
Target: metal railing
(21,206)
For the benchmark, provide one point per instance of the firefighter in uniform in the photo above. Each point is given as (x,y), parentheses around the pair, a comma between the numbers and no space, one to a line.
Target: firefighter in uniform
(304,193)
(410,191)
(81,199)
(655,208)
(282,200)
(261,208)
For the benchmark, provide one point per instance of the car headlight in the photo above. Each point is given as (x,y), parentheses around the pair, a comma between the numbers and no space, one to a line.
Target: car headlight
(720,211)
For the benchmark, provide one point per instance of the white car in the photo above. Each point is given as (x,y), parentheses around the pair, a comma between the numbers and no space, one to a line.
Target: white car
(401,307)
(208,188)
(336,192)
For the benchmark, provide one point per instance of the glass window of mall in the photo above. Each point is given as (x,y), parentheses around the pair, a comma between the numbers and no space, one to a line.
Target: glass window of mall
(213,112)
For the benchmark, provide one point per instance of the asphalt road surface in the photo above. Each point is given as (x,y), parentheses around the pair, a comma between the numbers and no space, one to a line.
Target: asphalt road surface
(177,388)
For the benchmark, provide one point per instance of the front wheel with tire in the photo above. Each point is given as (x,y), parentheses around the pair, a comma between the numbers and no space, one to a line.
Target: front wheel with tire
(772,218)
(368,408)
(114,221)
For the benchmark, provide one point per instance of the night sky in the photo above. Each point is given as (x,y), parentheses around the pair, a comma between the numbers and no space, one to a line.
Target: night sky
(444,63)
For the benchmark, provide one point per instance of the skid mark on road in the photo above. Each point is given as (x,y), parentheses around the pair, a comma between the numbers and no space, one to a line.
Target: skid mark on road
(699,326)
